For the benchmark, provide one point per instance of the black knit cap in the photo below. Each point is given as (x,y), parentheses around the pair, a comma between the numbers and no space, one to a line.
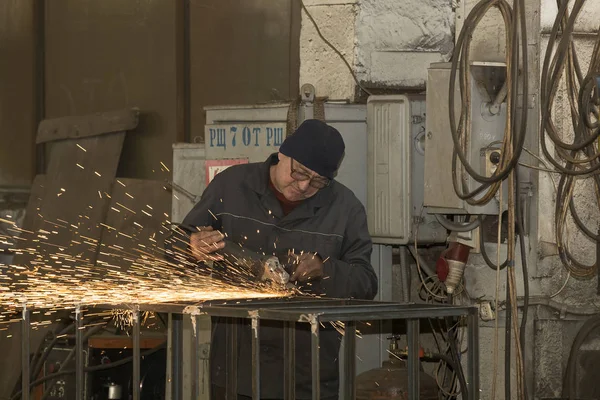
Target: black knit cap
(317,146)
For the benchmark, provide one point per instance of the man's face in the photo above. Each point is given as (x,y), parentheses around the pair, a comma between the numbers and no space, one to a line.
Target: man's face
(295,189)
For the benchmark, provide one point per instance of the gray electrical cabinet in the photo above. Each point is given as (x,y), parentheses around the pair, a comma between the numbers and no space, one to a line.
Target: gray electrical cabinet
(486,126)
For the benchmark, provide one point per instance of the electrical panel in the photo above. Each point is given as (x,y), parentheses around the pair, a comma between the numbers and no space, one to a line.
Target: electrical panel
(388,169)
(396,156)
(483,148)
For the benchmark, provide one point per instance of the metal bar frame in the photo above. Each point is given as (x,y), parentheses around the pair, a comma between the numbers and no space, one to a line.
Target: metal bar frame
(350,360)
(25,352)
(79,361)
(177,357)
(135,386)
(289,356)
(412,339)
(290,311)
(232,359)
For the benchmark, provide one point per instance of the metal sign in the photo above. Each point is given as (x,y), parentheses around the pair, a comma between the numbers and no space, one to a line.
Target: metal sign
(213,167)
(254,141)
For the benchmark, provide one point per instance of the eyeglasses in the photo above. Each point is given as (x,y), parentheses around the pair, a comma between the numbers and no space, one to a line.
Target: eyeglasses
(318,182)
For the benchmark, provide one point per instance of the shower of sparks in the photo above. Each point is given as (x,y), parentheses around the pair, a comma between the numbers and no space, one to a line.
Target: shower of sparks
(59,276)
(165,167)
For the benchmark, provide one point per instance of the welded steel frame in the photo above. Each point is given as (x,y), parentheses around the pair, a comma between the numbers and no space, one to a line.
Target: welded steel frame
(290,311)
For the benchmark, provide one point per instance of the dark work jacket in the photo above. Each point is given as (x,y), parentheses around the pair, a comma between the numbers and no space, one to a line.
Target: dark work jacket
(332,223)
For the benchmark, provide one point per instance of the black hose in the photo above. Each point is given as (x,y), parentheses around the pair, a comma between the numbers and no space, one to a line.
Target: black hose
(69,356)
(485,256)
(507,345)
(95,368)
(569,384)
(457,226)
(441,357)
(521,232)
(40,363)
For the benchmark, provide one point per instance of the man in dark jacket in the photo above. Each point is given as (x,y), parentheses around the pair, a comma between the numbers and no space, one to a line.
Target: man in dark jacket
(289,202)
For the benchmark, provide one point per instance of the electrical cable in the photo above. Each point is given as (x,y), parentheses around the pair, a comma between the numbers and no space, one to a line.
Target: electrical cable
(518,123)
(458,226)
(523,251)
(581,156)
(507,345)
(485,256)
(459,371)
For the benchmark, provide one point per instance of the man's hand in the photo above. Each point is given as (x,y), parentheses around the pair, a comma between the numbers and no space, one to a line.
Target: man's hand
(205,242)
(309,267)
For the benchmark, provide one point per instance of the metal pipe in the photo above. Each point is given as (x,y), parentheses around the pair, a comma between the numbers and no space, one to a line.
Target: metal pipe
(232,359)
(473,354)
(350,360)
(177,357)
(196,360)
(136,355)
(412,339)
(289,356)
(316,362)
(79,363)
(25,340)
(255,358)
(404,274)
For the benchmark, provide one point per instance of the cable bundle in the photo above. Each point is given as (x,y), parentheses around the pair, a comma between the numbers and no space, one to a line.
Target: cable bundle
(578,159)
(511,146)
(516,124)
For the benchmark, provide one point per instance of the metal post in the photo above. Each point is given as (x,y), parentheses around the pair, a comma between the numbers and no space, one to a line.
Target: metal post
(232,358)
(289,356)
(25,325)
(196,360)
(136,355)
(412,338)
(316,375)
(350,359)
(79,363)
(177,357)
(473,355)
(255,359)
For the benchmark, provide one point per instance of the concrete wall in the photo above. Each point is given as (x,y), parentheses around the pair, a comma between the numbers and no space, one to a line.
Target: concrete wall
(387,43)
(557,332)
(397,40)
(319,64)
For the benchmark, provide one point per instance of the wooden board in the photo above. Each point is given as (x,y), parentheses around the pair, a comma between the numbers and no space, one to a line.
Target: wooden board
(74,200)
(79,127)
(136,221)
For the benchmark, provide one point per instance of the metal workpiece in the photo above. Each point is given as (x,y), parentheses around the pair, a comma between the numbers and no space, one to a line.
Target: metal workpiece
(79,361)
(135,386)
(232,359)
(255,358)
(316,362)
(291,311)
(177,356)
(412,340)
(289,356)
(25,340)
(473,354)
(350,359)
